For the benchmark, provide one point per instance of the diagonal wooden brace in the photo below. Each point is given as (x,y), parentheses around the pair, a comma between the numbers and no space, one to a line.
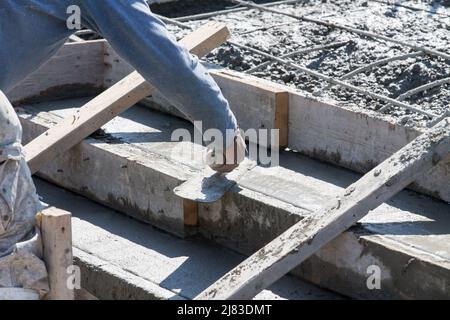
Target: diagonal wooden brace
(113,101)
(309,235)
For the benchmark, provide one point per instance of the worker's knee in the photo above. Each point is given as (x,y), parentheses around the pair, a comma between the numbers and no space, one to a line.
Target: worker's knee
(10,128)
(19,204)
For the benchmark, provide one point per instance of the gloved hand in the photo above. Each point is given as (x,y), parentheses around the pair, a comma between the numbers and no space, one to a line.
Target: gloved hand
(230,158)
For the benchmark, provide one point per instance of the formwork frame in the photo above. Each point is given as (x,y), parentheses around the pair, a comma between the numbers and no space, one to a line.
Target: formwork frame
(102,68)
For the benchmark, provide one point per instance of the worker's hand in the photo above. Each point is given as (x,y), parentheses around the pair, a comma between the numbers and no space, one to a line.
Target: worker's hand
(232,156)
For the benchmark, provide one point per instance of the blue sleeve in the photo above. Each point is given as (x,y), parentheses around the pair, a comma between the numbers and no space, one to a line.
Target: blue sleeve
(143,40)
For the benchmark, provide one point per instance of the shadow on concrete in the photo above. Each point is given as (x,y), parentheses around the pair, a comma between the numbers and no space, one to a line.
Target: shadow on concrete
(205,262)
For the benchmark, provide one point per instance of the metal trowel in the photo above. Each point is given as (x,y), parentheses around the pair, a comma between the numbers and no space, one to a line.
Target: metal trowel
(209,186)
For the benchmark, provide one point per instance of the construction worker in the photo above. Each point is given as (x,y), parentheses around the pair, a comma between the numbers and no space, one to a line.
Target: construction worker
(31,31)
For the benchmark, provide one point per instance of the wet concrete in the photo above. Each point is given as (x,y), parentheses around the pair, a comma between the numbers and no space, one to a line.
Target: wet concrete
(279,35)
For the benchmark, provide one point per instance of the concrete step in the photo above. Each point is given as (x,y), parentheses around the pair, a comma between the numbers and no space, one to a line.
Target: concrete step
(134,168)
(121,258)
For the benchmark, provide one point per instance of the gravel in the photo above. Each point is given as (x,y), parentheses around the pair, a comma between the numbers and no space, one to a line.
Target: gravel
(279,35)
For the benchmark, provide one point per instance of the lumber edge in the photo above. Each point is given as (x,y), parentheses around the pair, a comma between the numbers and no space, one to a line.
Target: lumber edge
(18,294)
(56,232)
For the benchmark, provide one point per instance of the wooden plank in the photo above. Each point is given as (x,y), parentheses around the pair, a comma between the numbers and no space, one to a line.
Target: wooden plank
(70,131)
(310,234)
(82,169)
(245,221)
(56,230)
(110,103)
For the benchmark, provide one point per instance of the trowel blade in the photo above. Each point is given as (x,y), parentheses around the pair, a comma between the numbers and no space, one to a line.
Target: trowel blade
(210,186)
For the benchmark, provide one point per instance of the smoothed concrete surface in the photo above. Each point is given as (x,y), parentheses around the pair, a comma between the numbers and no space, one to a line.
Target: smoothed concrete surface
(128,259)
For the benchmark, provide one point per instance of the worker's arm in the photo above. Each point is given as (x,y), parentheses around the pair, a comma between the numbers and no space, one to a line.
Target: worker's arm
(143,40)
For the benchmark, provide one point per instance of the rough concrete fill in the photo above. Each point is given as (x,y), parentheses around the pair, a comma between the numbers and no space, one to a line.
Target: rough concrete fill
(279,35)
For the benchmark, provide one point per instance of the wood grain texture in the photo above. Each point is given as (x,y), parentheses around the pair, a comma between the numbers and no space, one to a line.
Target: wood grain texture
(209,186)
(190,210)
(206,38)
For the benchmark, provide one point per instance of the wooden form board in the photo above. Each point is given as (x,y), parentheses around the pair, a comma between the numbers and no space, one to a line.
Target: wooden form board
(85,121)
(110,103)
(309,235)
(56,235)
(243,220)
